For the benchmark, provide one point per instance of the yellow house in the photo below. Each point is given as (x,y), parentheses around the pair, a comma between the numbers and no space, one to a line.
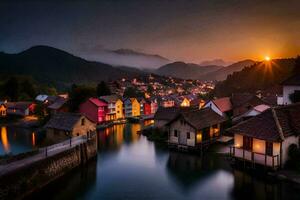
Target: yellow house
(3,109)
(119,109)
(185,103)
(136,107)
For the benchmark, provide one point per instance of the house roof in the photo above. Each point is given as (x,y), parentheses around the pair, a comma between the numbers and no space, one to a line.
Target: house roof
(21,105)
(273,124)
(58,103)
(239,99)
(41,97)
(163,113)
(293,80)
(223,104)
(64,121)
(199,118)
(97,102)
(110,98)
(261,108)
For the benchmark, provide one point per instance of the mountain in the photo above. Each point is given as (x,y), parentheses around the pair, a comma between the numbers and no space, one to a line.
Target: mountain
(126,57)
(185,70)
(259,76)
(218,62)
(50,65)
(222,73)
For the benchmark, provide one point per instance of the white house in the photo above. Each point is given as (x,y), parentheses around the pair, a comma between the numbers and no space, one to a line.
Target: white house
(194,129)
(252,112)
(290,86)
(265,138)
(220,106)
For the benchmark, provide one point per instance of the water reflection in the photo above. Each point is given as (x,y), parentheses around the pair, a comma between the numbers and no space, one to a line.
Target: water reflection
(131,167)
(16,140)
(4,140)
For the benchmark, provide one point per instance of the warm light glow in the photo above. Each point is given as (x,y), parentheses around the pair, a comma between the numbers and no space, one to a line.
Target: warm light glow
(33,138)
(267,58)
(4,140)
(199,137)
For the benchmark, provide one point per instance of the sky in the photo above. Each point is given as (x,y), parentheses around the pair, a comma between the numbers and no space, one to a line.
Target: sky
(187,30)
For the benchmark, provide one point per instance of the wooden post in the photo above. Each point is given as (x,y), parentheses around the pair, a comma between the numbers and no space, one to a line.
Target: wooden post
(265,159)
(273,162)
(244,158)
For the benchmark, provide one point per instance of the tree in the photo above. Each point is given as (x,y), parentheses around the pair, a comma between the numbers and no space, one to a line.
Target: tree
(80,94)
(296,69)
(132,92)
(12,89)
(103,89)
(28,88)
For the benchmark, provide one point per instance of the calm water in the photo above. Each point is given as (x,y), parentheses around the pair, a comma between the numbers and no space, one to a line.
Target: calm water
(15,140)
(129,166)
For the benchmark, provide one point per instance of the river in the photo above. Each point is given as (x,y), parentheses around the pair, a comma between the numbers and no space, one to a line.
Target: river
(128,166)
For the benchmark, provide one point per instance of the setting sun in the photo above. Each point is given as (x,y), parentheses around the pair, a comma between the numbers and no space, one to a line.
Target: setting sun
(267,58)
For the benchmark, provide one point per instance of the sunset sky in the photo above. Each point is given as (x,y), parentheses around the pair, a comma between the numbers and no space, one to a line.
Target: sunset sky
(186,30)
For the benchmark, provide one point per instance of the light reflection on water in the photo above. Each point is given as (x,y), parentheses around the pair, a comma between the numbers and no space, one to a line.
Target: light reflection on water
(17,140)
(128,166)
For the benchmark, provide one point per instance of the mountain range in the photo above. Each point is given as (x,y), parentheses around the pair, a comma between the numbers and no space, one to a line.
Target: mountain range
(195,71)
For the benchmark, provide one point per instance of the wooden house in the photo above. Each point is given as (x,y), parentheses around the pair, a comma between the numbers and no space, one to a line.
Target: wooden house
(59,105)
(94,109)
(163,115)
(111,101)
(153,105)
(62,126)
(194,129)
(265,138)
(3,109)
(132,107)
(20,108)
(119,109)
(145,107)
(185,102)
(221,106)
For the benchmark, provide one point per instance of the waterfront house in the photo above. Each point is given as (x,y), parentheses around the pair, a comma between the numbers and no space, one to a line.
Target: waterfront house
(163,115)
(221,106)
(119,109)
(194,129)
(132,107)
(111,101)
(145,107)
(265,138)
(21,108)
(59,105)
(94,109)
(153,105)
(3,109)
(167,102)
(291,89)
(62,126)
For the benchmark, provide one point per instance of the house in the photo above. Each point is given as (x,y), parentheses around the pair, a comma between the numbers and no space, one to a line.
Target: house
(132,107)
(3,109)
(291,89)
(20,108)
(198,102)
(145,107)
(243,102)
(153,105)
(167,102)
(94,109)
(59,105)
(41,98)
(119,109)
(185,102)
(163,115)
(194,129)
(221,106)
(265,138)
(62,126)
(111,101)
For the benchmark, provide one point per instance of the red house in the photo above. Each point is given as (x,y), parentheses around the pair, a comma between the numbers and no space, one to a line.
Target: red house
(94,109)
(147,108)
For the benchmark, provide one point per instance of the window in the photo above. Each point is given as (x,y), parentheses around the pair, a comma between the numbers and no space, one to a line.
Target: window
(188,135)
(269,148)
(247,143)
(82,122)
(175,133)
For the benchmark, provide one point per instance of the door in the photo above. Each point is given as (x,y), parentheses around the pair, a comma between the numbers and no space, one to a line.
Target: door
(269,148)
(205,134)
(247,143)
(182,138)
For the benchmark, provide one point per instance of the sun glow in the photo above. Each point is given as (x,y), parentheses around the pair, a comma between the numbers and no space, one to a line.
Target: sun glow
(267,58)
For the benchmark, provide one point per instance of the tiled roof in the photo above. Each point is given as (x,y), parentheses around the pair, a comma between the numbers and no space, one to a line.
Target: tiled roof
(200,119)
(97,102)
(293,80)
(63,121)
(58,103)
(166,113)
(19,105)
(224,104)
(273,124)
(240,99)
(110,98)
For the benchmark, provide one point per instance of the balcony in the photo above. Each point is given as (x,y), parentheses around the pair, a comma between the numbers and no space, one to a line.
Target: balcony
(255,158)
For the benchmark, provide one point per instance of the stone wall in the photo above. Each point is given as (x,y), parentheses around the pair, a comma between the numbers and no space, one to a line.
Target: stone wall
(29,178)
